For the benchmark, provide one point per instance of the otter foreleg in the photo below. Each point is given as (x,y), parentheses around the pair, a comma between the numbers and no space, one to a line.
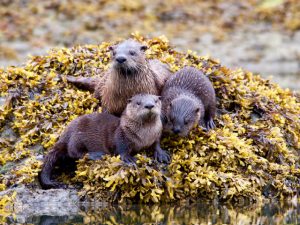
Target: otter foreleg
(208,119)
(123,149)
(161,155)
(85,83)
(210,124)
(96,155)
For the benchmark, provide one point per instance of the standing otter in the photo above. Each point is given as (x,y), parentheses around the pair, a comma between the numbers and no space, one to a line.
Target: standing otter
(98,134)
(188,99)
(130,74)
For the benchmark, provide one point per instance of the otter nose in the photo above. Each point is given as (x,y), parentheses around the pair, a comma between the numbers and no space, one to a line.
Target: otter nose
(121,59)
(176,130)
(149,106)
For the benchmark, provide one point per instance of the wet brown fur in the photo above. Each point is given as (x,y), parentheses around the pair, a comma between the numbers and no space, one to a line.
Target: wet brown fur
(188,99)
(116,86)
(101,133)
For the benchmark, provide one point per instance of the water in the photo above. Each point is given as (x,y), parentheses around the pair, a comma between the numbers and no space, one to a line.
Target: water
(197,213)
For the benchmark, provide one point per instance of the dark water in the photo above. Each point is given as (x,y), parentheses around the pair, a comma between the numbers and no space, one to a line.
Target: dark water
(197,213)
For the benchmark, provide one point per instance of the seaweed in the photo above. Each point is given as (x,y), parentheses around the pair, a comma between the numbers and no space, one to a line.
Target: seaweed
(252,154)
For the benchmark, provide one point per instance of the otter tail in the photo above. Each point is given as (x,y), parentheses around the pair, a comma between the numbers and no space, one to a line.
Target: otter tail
(58,152)
(85,83)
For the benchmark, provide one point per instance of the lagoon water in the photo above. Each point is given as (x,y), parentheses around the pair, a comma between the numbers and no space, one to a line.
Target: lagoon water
(197,213)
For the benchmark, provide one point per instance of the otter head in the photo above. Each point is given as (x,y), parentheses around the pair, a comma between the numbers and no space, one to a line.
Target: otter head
(128,57)
(183,114)
(144,108)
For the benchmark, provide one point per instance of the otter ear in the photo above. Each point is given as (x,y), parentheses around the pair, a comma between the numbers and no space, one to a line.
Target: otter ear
(144,48)
(197,110)
(111,48)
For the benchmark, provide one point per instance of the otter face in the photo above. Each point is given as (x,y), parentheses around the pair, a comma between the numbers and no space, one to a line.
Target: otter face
(182,115)
(128,57)
(144,107)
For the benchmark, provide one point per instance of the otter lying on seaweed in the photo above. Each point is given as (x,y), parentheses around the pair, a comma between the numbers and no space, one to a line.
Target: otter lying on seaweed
(188,99)
(130,74)
(101,133)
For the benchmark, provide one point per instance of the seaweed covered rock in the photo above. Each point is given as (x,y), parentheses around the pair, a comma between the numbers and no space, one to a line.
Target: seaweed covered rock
(253,152)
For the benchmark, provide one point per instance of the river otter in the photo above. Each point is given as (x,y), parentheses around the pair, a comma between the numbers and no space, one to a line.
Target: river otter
(98,134)
(130,73)
(188,99)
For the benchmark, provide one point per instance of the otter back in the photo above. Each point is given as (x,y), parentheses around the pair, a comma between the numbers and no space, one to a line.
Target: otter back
(102,133)
(195,82)
(187,96)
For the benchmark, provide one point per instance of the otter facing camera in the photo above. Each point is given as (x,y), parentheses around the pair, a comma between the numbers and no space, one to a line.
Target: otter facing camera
(121,59)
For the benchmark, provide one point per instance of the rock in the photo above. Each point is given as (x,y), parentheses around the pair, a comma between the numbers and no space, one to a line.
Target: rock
(54,202)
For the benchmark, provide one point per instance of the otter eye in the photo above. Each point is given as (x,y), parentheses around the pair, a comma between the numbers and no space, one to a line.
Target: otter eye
(144,48)
(132,52)
(186,122)
(138,103)
(110,48)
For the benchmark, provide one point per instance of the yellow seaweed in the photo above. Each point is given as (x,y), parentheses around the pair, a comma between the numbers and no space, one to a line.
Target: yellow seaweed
(253,153)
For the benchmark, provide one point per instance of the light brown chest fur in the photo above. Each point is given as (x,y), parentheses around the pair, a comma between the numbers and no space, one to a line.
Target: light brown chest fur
(142,135)
(117,89)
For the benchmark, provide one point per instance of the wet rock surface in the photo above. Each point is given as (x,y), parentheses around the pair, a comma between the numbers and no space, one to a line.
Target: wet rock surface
(68,210)
(36,202)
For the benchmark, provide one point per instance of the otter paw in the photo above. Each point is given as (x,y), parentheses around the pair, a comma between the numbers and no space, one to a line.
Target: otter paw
(55,185)
(71,79)
(95,155)
(129,159)
(61,185)
(162,156)
(210,124)
(76,186)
